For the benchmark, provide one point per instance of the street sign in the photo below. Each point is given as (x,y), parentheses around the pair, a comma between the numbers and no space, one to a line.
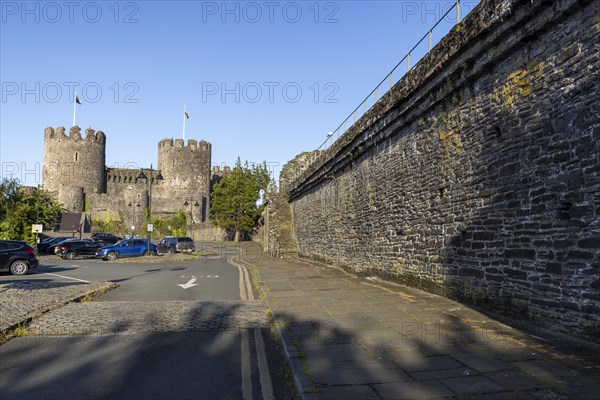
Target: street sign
(150,227)
(37,228)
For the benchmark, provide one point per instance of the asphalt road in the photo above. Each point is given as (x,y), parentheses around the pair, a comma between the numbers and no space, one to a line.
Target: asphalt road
(222,363)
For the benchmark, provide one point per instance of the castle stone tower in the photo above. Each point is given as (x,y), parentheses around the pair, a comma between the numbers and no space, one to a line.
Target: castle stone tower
(73,165)
(186,172)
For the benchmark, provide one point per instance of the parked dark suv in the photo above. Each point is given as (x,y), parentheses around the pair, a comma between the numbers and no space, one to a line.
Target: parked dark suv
(73,249)
(17,257)
(172,244)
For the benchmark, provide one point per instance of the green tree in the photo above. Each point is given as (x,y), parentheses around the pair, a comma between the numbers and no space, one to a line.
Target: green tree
(236,196)
(20,208)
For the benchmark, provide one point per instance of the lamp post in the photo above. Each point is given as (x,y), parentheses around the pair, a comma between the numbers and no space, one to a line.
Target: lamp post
(37,213)
(149,181)
(133,217)
(191,215)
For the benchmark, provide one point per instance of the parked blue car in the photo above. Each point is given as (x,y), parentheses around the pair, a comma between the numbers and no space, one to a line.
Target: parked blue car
(126,248)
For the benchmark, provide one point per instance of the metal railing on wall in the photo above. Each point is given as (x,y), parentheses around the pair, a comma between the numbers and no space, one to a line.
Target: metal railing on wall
(382,88)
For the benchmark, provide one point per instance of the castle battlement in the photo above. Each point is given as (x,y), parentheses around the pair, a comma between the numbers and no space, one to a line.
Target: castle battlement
(122,175)
(74,134)
(192,144)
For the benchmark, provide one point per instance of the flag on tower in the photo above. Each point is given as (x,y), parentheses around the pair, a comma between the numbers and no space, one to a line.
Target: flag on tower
(185,116)
(75,102)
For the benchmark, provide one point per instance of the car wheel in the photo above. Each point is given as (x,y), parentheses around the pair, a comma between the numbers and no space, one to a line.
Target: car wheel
(71,255)
(112,256)
(148,253)
(19,267)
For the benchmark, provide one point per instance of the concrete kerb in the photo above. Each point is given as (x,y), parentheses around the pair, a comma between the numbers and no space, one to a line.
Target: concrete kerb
(302,381)
(26,319)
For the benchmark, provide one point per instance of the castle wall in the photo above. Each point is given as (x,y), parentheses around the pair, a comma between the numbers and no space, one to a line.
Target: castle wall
(121,180)
(105,207)
(478,175)
(73,160)
(72,198)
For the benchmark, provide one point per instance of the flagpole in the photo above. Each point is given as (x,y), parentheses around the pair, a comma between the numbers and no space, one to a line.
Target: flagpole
(74,107)
(183,136)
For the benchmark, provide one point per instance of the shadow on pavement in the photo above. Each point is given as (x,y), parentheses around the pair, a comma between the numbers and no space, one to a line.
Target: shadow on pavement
(172,350)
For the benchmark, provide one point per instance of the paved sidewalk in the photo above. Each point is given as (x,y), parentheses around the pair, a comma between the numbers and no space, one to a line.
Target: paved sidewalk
(360,338)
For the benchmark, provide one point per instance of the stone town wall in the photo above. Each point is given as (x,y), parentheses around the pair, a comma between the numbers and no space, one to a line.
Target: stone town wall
(478,175)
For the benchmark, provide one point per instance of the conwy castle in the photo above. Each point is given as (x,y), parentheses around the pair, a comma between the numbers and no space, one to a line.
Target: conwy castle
(75,171)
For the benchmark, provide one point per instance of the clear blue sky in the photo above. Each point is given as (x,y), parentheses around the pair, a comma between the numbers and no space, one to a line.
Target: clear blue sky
(150,58)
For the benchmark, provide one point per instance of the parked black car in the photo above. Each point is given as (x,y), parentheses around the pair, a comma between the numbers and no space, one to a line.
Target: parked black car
(172,244)
(73,249)
(17,257)
(53,248)
(46,243)
(105,237)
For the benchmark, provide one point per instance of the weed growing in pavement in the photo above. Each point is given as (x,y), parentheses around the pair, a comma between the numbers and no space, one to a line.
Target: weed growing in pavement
(21,329)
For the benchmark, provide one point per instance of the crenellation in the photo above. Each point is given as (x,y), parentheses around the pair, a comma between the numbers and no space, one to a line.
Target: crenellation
(100,137)
(204,146)
(192,144)
(166,143)
(75,133)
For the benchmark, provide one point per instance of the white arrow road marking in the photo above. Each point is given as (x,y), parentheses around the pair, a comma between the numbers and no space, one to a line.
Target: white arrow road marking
(188,284)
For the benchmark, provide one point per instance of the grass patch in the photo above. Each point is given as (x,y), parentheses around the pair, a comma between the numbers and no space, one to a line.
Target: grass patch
(18,330)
